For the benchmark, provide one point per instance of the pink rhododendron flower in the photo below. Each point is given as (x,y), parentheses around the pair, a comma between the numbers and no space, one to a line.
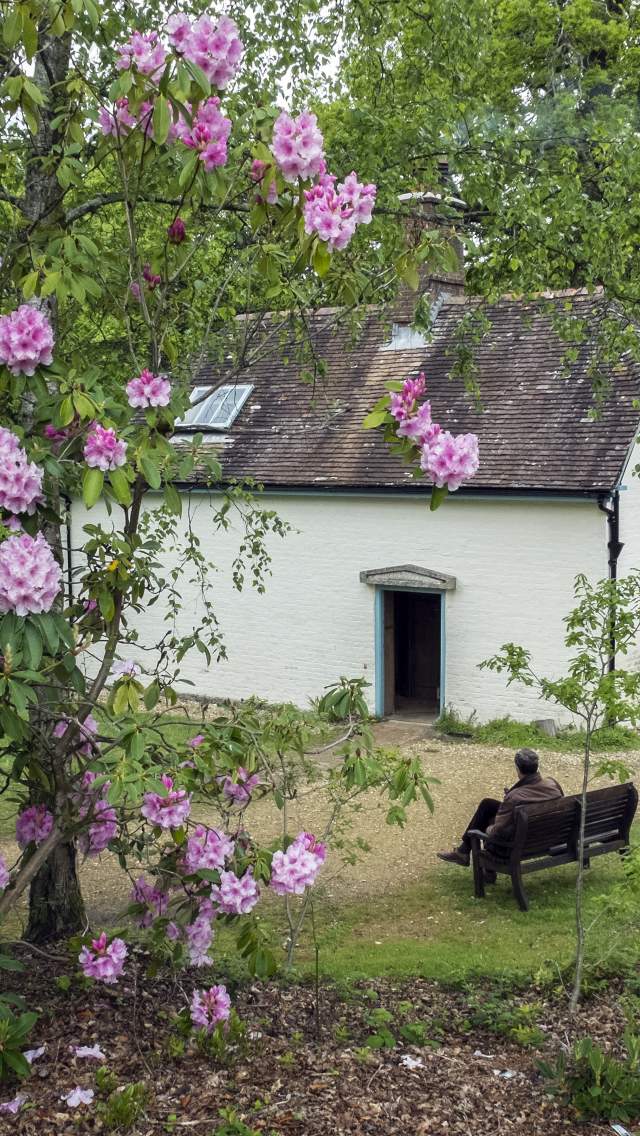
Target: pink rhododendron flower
(103,450)
(145,51)
(148,390)
(169,811)
(33,825)
(235,895)
(334,215)
(196,741)
(91,1051)
(177,231)
(208,133)
(56,434)
(403,403)
(207,848)
(420,428)
(119,120)
(297,146)
(14,524)
(90,605)
(258,169)
(215,48)
(179,29)
(359,197)
(102,829)
(29,575)
(26,340)
(77,1097)
(155,901)
(135,290)
(208,1007)
(20,479)
(451,459)
(296,869)
(125,668)
(103,960)
(173,932)
(240,790)
(5,878)
(152,278)
(13,1106)
(199,938)
(83,742)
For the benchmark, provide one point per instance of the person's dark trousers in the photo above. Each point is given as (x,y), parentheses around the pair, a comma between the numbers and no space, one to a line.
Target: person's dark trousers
(484,815)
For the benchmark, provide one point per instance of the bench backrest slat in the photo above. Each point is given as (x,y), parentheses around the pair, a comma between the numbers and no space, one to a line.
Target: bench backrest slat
(548,824)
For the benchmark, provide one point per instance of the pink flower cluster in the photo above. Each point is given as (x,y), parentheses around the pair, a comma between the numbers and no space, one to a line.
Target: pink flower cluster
(26,340)
(235,895)
(208,1007)
(240,790)
(144,51)
(83,743)
(117,121)
(215,48)
(103,450)
(33,825)
(169,811)
(103,960)
(103,825)
(20,479)
(154,900)
(208,133)
(335,215)
(148,389)
(207,848)
(29,575)
(4,874)
(125,668)
(176,231)
(448,459)
(296,869)
(200,936)
(297,146)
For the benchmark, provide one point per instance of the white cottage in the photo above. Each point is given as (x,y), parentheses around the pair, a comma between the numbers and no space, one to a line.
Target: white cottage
(369,582)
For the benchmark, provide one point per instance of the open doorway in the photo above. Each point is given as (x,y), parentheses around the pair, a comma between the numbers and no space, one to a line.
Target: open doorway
(412,652)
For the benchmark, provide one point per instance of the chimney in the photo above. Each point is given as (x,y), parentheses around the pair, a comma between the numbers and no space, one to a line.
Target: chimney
(436,283)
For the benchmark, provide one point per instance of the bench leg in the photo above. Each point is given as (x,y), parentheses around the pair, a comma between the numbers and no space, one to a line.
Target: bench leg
(518,889)
(478,874)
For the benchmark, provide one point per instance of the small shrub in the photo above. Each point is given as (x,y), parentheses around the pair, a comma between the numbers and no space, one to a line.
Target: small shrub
(495,1013)
(125,1106)
(233,1125)
(595,1083)
(14,1030)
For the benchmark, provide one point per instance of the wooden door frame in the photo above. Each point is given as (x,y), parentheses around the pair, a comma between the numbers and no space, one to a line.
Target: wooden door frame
(379,642)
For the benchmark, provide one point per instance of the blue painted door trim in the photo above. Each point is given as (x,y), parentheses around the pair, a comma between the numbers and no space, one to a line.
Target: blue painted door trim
(379,642)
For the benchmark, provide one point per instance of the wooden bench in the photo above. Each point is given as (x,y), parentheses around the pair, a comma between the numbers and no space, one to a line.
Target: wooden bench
(546,835)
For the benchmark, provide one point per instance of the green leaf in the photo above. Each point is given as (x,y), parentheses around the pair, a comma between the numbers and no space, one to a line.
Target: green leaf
(106,605)
(120,486)
(152,694)
(151,472)
(92,486)
(199,76)
(121,700)
(66,412)
(161,120)
(437,497)
(33,641)
(12,26)
(29,284)
(173,500)
(373,419)
(17,1062)
(29,35)
(321,259)
(83,405)
(92,13)
(410,276)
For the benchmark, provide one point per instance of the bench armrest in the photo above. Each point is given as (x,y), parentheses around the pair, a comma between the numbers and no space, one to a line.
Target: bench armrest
(477,835)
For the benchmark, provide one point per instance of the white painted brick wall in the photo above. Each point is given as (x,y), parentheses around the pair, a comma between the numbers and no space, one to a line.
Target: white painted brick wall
(515,562)
(630,530)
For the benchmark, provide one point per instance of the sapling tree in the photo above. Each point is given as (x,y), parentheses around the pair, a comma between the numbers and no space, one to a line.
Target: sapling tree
(596,690)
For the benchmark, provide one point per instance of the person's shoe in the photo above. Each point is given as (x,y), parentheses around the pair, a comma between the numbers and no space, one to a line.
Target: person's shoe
(457,856)
(490,876)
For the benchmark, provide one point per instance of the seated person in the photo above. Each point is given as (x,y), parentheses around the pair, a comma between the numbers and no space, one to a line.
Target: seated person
(495,817)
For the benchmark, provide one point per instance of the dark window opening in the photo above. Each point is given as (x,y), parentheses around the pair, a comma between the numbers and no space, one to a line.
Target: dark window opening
(412,652)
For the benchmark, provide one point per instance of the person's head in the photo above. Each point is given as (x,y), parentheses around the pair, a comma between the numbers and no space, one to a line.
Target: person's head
(527,761)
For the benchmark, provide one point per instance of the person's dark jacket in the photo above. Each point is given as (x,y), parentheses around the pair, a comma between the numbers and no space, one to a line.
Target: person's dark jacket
(529,790)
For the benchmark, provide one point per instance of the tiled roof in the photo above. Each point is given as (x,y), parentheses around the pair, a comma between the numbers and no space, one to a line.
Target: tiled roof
(534,425)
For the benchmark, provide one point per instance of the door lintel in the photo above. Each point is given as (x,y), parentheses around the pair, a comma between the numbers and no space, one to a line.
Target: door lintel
(409,576)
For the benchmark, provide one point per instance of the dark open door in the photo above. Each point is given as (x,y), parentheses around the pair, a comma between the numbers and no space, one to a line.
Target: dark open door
(416,652)
(389,652)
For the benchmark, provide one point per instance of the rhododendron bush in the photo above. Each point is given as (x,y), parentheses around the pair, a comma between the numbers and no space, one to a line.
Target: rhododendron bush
(145,187)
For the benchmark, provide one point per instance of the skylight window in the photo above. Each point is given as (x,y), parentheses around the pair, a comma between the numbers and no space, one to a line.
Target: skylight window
(217,412)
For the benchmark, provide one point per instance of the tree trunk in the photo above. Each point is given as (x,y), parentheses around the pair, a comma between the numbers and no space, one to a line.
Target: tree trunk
(56,906)
(580,931)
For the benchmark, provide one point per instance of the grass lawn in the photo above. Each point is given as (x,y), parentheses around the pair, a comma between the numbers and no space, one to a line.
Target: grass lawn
(401,912)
